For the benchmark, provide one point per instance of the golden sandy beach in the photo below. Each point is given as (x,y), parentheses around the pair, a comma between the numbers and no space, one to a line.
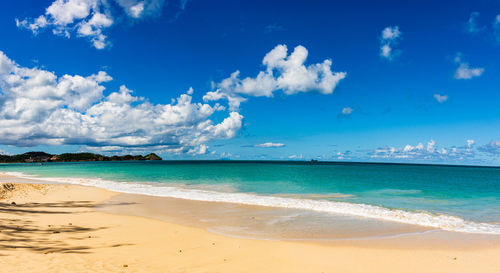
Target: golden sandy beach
(55,228)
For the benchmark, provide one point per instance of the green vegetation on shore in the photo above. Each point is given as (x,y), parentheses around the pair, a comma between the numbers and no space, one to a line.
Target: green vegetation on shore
(31,157)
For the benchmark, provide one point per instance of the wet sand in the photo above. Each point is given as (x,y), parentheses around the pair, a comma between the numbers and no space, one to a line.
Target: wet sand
(278,224)
(68,228)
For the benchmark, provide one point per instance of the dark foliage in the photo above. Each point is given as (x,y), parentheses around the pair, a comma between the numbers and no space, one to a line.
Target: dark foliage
(37,157)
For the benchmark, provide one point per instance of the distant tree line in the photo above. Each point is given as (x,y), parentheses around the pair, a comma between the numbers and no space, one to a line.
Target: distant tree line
(32,157)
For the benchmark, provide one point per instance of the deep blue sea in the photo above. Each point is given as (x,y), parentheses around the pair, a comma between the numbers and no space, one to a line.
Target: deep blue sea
(457,198)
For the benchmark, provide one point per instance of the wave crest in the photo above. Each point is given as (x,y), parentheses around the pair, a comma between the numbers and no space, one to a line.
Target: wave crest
(426,219)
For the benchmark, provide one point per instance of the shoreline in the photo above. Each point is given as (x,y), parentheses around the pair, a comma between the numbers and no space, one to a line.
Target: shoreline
(373,214)
(56,227)
(196,214)
(251,222)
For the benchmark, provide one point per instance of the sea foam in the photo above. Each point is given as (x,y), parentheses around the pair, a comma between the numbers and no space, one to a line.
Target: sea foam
(426,219)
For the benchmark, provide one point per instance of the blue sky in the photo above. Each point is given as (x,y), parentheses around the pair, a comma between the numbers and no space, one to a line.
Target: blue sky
(420,85)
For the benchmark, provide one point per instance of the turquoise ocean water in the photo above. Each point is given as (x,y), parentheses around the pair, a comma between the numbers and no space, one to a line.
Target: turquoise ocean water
(457,198)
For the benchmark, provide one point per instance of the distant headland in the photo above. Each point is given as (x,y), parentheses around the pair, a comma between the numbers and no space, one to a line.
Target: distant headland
(37,157)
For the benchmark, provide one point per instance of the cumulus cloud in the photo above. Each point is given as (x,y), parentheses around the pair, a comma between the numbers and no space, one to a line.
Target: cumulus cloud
(389,38)
(440,98)
(430,152)
(198,150)
(464,71)
(283,71)
(492,148)
(90,18)
(202,149)
(86,18)
(347,111)
(269,145)
(39,107)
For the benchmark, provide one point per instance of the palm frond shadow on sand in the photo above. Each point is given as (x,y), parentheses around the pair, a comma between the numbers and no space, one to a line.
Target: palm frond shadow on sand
(23,231)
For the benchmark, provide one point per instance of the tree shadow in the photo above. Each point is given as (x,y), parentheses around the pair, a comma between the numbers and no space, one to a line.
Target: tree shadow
(41,208)
(22,232)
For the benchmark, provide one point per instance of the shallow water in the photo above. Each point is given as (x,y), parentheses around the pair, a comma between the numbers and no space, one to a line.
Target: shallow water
(455,198)
(258,222)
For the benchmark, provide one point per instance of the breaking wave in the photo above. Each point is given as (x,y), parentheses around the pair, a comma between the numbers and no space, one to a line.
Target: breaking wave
(426,219)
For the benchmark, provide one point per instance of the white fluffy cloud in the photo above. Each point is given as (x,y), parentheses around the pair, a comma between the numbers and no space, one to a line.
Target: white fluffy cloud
(90,18)
(270,145)
(464,71)
(347,111)
(39,107)
(470,142)
(389,38)
(283,72)
(430,152)
(440,98)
